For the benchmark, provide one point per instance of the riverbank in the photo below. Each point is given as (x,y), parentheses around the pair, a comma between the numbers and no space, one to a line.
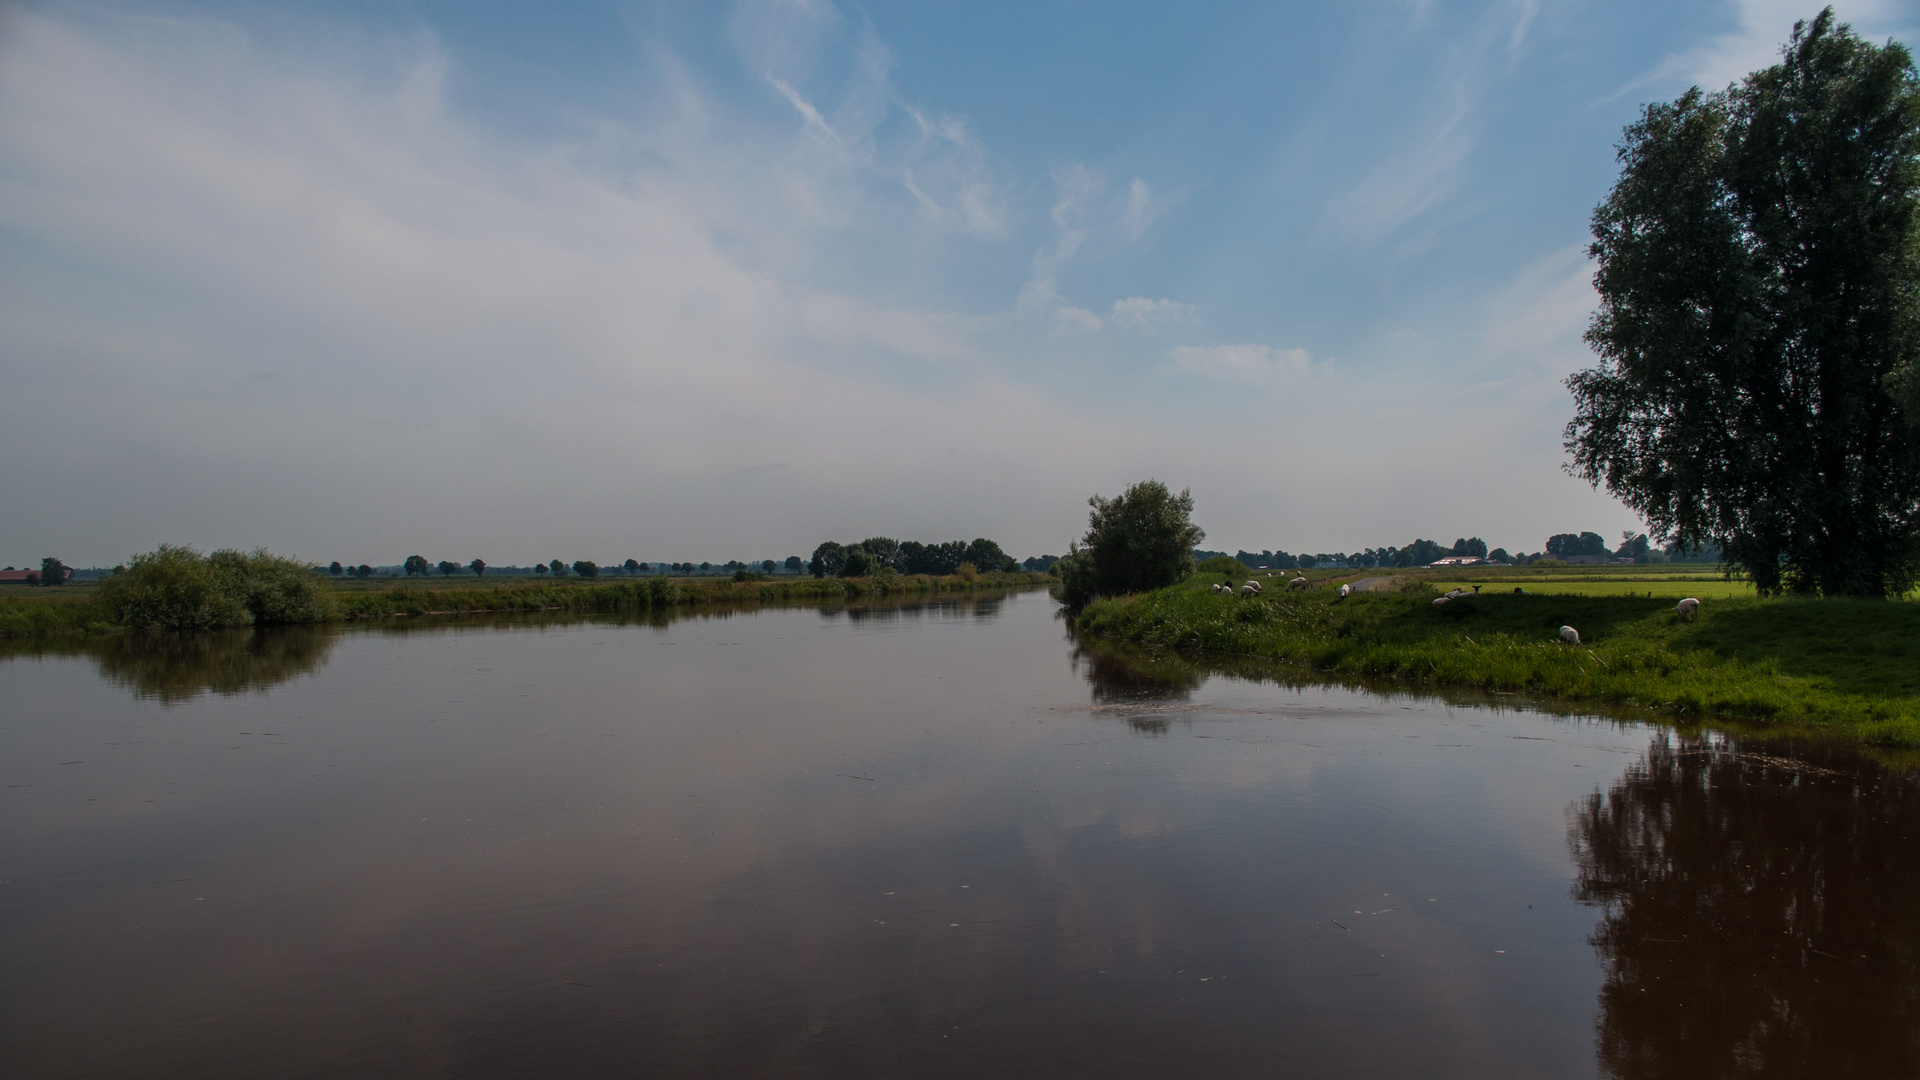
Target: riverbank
(1837,666)
(32,616)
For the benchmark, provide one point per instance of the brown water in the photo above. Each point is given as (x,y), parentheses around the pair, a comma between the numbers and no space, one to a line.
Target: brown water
(927,841)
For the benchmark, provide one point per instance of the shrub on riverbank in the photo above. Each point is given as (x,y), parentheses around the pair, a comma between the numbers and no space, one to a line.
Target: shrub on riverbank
(176,588)
(1854,664)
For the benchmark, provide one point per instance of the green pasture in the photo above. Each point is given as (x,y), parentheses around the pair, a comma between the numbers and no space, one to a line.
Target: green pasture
(1849,667)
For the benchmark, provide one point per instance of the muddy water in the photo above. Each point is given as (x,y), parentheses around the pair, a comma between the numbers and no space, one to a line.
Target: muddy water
(930,841)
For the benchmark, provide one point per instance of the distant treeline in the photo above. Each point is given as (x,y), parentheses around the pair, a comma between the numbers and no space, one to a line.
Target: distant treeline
(882,553)
(177,588)
(1633,546)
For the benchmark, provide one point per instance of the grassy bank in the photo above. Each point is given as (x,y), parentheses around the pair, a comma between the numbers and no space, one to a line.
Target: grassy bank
(1839,665)
(48,616)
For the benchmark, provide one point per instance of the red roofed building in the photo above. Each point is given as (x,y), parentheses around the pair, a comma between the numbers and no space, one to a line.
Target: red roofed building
(19,577)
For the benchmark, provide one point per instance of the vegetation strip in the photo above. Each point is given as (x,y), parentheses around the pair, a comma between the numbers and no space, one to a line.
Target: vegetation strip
(184,602)
(1849,667)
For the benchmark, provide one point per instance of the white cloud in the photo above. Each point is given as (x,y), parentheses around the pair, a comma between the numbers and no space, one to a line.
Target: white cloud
(1145,313)
(473,341)
(843,320)
(1073,318)
(1761,27)
(1254,364)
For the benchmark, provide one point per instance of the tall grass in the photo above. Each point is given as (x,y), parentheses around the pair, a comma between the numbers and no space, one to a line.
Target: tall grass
(656,593)
(1821,663)
(177,588)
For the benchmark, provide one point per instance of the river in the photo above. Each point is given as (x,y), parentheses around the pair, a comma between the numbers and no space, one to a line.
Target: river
(926,840)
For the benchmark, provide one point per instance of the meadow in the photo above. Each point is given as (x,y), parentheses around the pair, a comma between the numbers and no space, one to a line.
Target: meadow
(1848,667)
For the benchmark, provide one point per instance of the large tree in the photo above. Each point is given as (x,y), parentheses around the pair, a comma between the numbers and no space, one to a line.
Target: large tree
(1759,277)
(1138,540)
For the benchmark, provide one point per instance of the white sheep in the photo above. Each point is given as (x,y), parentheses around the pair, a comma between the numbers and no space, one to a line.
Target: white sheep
(1345,591)
(1688,609)
(1216,588)
(1569,635)
(1249,589)
(1442,600)
(1254,585)
(1297,583)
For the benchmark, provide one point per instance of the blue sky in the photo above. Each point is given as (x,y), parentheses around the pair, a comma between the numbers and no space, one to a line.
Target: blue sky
(698,280)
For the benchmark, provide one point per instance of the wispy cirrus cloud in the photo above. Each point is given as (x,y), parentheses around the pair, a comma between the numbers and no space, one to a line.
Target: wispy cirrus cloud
(1761,27)
(1424,165)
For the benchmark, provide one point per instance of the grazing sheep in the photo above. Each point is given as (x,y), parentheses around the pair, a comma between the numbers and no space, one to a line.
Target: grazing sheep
(1216,588)
(1441,600)
(1569,635)
(1297,583)
(1688,609)
(1254,585)
(1249,589)
(1345,591)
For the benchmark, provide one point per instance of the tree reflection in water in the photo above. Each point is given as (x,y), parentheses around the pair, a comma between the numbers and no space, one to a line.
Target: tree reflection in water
(174,667)
(1760,913)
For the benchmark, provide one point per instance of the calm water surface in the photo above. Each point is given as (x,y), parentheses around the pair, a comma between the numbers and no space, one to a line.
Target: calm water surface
(936,840)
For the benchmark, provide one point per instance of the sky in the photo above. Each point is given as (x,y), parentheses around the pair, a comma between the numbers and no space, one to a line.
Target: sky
(683,281)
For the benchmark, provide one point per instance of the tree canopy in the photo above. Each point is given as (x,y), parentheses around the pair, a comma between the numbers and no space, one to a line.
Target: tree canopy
(1138,540)
(1759,277)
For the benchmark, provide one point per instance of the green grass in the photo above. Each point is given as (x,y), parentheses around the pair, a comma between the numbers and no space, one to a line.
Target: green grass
(45,615)
(1839,665)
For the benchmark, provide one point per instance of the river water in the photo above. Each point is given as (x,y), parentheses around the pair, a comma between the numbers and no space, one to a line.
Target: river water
(921,841)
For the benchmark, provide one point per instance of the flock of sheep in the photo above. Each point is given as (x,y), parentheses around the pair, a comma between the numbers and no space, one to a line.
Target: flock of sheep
(1688,609)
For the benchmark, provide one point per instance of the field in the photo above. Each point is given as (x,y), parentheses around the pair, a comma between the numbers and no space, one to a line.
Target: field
(1850,667)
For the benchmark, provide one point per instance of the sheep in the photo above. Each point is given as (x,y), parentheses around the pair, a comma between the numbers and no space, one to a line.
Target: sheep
(1345,591)
(1249,589)
(1688,609)
(1297,583)
(1442,600)
(1569,635)
(1216,588)
(1254,585)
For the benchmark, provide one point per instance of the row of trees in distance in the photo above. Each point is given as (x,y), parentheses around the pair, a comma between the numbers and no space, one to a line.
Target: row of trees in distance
(882,553)
(1634,546)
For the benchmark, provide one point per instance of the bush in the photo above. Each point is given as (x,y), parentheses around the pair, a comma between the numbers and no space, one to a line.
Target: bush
(1224,564)
(661,592)
(175,588)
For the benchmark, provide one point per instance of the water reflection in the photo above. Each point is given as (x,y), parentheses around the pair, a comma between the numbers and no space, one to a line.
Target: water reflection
(178,667)
(1761,913)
